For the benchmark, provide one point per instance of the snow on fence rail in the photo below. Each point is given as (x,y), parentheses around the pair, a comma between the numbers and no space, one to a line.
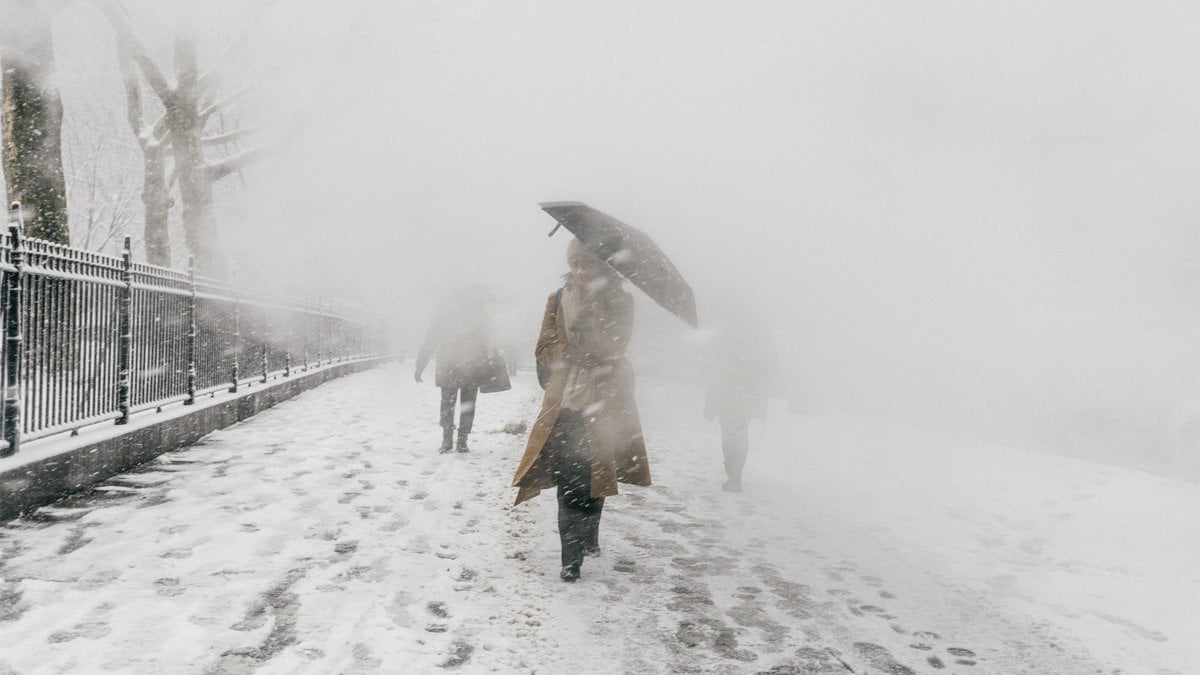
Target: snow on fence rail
(90,338)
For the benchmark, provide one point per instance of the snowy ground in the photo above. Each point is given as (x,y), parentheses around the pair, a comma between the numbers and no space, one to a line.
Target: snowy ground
(326,535)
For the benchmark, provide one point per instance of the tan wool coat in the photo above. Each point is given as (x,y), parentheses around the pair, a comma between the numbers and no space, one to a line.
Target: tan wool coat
(618,453)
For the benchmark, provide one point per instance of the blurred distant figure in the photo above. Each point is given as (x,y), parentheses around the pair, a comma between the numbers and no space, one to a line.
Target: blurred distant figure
(738,360)
(460,339)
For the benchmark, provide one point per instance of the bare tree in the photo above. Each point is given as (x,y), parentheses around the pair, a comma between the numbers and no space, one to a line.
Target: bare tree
(32,112)
(102,201)
(156,196)
(189,103)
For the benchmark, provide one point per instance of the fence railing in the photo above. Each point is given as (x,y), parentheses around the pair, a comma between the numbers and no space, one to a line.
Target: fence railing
(90,338)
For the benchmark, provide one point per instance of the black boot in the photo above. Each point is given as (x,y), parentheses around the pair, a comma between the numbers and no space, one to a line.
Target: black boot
(447,440)
(570,573)
(572,531)
(591,544)
(461,445)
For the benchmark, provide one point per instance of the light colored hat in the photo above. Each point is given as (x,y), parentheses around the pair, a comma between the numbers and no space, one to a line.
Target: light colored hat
(575,247)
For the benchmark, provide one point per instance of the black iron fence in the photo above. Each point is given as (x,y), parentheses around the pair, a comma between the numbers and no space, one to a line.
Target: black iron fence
(90,338)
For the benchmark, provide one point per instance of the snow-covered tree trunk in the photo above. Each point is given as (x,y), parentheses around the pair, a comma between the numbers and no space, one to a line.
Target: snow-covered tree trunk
(32,118)
(155,192)
(157,203)
(186,126)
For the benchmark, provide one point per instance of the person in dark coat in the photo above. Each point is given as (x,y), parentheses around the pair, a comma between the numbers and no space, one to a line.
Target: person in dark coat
(460,340)
(587,436)
(738,360)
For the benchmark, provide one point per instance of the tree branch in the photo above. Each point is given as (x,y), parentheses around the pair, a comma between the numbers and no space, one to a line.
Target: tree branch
(233,163)
(133,94)
(186,66)
(229,136)
(160,132)
(236,44)
(137,49)
(211,108)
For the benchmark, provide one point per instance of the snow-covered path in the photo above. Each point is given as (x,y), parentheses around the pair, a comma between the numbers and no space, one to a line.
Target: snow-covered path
(327,535)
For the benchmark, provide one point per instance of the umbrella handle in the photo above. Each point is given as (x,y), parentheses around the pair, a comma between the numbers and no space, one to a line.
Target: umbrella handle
(556,226)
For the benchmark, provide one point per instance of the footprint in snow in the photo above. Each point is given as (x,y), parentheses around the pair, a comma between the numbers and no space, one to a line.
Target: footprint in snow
(364,660)
(398,609)
(879,657)
(966,657)
(168,587)
(465,580)
(394,524)
(460,654)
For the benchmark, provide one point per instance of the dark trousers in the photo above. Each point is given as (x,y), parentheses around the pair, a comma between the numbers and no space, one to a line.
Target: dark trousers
(578,511)
(466,413)
(735,443)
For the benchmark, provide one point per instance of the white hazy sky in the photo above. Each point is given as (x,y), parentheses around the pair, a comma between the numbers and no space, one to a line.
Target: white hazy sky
(934,201)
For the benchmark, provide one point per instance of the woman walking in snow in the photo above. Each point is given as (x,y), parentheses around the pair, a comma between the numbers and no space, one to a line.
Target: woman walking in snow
(587,437)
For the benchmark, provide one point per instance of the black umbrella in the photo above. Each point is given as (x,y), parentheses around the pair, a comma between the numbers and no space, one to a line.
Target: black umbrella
(629,251)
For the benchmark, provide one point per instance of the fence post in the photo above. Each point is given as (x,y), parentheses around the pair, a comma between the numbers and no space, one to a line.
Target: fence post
(12,338)
(124,329)
(191,337)
(320,319)
(237,343)
(344,341)
(266,335)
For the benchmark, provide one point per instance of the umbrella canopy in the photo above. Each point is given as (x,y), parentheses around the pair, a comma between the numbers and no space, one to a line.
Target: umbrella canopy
(629,251)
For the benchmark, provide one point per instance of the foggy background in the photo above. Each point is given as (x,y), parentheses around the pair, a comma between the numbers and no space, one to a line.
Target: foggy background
(975,214)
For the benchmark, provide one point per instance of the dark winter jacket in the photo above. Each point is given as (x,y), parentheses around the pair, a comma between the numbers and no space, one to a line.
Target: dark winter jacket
(738,361)
(460,341)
